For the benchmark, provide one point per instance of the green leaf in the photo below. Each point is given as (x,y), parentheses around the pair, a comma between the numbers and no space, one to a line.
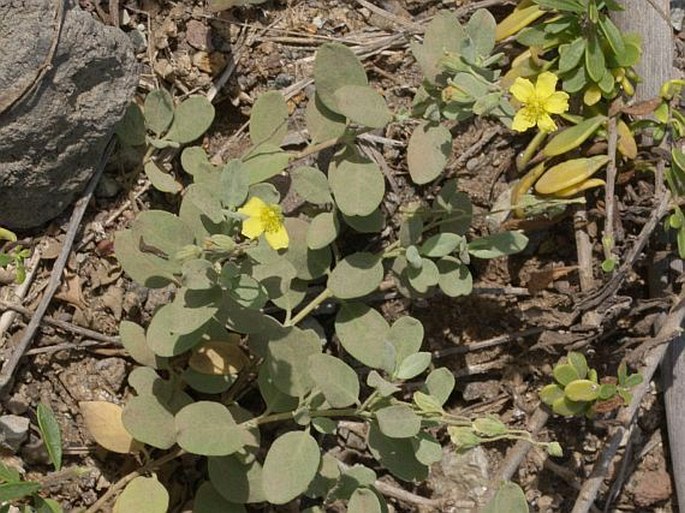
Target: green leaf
(206,200)
(633,380)
(413,365)
(497,245)
(216,435)
(578,361)
(481,29)
(287,360)
(161,180)
(42,505)
(554,449)
(238,480)
(269,119)
(406,335)
(336,66)
(594,58)
(192,119)
(131,129)
(564,373)
(427,449)
(570,54)
(427,403)
(267,161)
(143,494)
(373,223)
(356,275)
(413,257)
(312,185)
(326,476)
(612,35)
(337,381)
(234,182)
(489,426)
(382,386)
(572,137)
(440,384)
(324,425)
(50,433)
(12,491)
(208,500)
(397,455)
(428,149)
(564,406)
(398,421)
(323,230)
(454,208)
(550,393)
(355,477)
(607,391)
(9,475)
(363,105)
(455,278)
(357,183)
(441,244)
(363,333)
(424,278)
(149,421)
(509,496)
(364,500)
(582,390)
(159,110)
(443,34)
(290,466)
(133,339)
(309,264)
(322,123)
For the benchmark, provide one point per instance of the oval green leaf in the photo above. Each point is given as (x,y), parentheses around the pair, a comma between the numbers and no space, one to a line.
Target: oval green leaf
(290,466)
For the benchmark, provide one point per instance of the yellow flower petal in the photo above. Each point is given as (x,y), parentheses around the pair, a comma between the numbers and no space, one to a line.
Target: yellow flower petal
(546,123)
(253,208)
(278,239)
(252,227)
(522,89)
(546,84)
(523,120)
(557,103)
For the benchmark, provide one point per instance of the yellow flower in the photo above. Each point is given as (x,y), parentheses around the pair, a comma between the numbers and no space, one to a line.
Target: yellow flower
(539,101)
(266,219)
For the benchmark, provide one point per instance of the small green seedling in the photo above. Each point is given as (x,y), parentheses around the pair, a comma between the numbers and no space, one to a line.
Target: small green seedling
(578,391)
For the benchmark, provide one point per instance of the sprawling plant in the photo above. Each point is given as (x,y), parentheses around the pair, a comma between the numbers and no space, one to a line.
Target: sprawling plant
(238,367)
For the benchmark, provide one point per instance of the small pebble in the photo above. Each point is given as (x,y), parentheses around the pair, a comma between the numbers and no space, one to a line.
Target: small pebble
(13,431)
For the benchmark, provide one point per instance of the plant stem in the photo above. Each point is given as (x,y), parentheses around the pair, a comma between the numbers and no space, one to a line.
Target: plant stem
(316,302)
(289,415)
(98,505)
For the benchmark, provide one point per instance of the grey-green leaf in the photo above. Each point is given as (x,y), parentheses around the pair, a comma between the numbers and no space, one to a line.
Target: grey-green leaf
(217,434)
(312,185)
(337,381)
(269,119)
(356,275)
(509,498)
(159,110)
(363,332)
(143,494)
(288,361)
(192,119)
(398,421)
(499,244)
(50,432)
(440,384)
(363,105)
(208,500)
(364,500)
(149,421)
(290,465)
(161,180)
(413,365)
(357,183)
(429,147)
(336,66)
(323,230)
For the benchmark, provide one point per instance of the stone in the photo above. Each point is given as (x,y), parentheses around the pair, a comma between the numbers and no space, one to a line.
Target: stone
(13,431)
(54,127)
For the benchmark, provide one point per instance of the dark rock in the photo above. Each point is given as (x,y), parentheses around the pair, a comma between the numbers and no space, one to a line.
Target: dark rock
(52,137)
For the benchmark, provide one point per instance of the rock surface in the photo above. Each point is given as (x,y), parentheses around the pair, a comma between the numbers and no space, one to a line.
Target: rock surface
(51,139)
(13,431)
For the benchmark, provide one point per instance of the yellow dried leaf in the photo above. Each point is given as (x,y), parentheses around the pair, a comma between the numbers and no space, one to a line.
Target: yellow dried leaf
(103,421)
(218,358)
(569,173)
(517,20)
(592,95)
(626,142)
(578,188)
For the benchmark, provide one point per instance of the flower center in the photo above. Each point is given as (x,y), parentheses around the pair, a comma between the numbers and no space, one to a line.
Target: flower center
(271,218)
(536,106)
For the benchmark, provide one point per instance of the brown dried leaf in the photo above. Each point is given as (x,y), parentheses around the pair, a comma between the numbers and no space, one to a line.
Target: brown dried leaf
(103,421)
